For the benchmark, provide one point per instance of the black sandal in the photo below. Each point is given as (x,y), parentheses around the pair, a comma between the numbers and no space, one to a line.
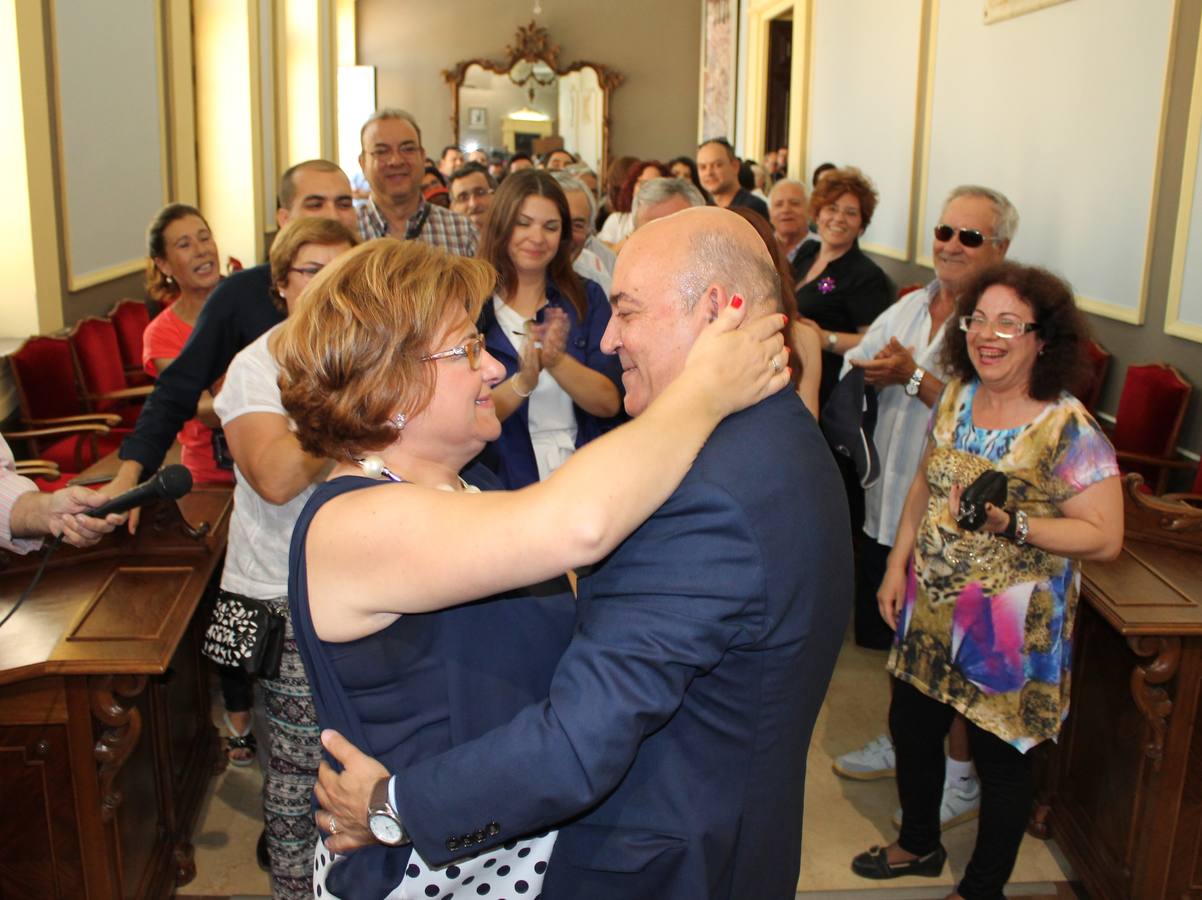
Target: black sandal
(240,742)
(875,864)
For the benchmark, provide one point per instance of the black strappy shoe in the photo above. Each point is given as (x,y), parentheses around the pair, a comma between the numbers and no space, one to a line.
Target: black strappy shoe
(875,864)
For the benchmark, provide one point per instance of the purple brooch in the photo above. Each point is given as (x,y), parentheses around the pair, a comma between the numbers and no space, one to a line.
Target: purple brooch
(826,285)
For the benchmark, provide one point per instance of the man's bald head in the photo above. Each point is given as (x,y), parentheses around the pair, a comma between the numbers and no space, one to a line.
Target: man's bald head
(672,277)
(720,249)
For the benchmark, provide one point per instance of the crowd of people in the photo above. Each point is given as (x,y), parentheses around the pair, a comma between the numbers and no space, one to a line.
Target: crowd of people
(457,379)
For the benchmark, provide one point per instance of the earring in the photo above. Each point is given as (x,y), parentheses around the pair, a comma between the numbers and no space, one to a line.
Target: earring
(399,421)
(168,280)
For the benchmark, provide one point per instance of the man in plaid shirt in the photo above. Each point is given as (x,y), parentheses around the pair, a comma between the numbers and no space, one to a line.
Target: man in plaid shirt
(393,160)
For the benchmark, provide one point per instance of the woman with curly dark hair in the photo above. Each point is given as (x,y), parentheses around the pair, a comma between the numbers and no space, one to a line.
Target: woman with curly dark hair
(982,594)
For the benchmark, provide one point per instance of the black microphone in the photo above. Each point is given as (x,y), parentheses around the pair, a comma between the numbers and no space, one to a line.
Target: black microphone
(169,483)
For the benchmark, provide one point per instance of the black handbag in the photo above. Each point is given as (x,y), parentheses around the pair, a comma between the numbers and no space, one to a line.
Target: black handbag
(246,634)
(990,487)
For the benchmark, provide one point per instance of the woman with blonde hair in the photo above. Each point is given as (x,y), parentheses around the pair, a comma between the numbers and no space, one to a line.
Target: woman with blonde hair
(383,371)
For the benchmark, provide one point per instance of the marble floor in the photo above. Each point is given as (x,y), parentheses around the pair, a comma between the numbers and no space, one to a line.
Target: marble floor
(842,817)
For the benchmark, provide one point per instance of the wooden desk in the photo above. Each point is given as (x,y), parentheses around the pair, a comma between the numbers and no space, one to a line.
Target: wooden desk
(106,743)
(1126,779)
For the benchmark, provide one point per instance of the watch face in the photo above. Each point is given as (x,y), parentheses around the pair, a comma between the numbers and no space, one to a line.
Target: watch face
(385,829)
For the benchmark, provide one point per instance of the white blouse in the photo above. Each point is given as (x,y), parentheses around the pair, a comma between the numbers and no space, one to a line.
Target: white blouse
(552,420)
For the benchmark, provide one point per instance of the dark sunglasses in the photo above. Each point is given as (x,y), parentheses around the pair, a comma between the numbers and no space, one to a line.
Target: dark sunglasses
(969,237)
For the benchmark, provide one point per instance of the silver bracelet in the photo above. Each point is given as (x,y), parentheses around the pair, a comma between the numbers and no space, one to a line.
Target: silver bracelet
(1021,526)
(513,383)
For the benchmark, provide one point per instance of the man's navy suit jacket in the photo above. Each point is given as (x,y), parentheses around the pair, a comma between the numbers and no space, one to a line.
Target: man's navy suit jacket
(672,748)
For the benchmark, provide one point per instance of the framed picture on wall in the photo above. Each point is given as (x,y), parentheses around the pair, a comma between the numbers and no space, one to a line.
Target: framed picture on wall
(719,52)
(477,117)
(999,10)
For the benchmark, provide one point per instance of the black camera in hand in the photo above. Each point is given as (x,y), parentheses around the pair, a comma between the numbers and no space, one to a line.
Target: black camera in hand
(990,487)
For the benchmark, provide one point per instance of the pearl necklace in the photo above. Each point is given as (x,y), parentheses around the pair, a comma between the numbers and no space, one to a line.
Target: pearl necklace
(373,467)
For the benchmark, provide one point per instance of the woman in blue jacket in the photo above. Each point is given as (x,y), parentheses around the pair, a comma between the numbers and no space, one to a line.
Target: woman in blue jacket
(544,323)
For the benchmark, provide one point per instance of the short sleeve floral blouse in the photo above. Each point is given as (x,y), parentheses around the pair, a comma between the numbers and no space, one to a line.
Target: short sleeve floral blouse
(986,626)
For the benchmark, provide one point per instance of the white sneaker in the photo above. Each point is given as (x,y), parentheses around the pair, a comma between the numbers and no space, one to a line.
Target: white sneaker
(959,805)
(874,760)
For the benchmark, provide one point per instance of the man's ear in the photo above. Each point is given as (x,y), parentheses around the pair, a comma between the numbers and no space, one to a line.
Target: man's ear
(716,299)
(281,216)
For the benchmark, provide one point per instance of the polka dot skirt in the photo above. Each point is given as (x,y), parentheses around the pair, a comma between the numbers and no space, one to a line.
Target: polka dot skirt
(512,872)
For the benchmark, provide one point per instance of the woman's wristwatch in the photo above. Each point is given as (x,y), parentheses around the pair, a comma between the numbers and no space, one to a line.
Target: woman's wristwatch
(1017,528)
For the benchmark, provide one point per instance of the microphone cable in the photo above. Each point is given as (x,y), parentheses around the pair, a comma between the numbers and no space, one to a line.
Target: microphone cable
(36,578)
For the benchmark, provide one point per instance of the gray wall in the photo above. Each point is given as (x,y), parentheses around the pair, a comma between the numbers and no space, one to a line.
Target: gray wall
(655,46)
(1135,344)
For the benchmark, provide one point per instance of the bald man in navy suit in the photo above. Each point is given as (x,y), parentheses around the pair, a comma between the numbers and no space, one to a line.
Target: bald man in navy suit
(672,748)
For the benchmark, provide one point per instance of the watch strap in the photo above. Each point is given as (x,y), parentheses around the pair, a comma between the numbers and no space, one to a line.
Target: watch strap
(915,382)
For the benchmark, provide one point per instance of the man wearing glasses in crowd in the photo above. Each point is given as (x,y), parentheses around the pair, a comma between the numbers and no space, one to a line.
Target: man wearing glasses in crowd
(900,356)
(393,160)
(471,192)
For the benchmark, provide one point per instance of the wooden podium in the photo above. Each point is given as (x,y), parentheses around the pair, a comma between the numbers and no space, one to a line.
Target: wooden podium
(106,742)
(1126,778)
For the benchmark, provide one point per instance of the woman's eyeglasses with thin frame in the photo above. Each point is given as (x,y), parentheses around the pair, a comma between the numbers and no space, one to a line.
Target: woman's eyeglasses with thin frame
(472,348)
(1007,329)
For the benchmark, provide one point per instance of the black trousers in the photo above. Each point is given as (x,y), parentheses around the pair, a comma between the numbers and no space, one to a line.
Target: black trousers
(237,692)
(918,725)
(870,629)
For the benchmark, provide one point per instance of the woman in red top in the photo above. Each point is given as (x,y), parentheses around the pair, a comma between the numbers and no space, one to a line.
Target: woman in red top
(182,271)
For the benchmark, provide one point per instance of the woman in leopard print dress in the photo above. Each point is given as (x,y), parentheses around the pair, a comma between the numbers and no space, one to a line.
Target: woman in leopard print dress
(984,618)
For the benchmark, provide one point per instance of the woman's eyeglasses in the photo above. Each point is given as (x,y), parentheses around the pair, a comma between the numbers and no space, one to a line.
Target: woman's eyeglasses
(1007,327)
(969,237)
(473,349)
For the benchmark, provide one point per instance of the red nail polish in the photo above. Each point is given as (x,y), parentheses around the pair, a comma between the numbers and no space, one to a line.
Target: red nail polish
(736,301)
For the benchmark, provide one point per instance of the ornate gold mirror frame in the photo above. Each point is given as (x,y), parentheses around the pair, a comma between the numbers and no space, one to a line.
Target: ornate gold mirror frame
(532,45)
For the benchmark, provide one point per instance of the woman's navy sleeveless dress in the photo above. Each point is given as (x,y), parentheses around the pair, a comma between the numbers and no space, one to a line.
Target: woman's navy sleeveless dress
(421,686)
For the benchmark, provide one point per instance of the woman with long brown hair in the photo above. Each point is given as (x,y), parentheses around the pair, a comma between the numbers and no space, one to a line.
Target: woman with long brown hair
(544,323)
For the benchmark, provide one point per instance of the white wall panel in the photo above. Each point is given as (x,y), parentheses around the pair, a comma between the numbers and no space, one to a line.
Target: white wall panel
(1061,111)
(863,103)
(111,132)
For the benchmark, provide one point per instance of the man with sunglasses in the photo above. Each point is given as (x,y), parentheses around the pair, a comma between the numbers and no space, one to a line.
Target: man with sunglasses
(900,357)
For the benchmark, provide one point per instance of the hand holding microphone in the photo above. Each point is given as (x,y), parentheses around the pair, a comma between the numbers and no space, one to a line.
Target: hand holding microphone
(169,483)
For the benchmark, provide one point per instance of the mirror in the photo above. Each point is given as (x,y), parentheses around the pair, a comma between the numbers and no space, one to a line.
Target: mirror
(529,103)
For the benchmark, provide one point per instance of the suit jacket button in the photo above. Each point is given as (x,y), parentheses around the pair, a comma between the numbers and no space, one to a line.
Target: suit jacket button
(493,829)
(466,840)
(480,836)
(452,844)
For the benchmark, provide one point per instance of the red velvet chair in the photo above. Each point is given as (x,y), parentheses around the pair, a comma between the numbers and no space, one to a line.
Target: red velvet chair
(102,373)
(130,318)
(1097,364)
(58,426)
(1148,422)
